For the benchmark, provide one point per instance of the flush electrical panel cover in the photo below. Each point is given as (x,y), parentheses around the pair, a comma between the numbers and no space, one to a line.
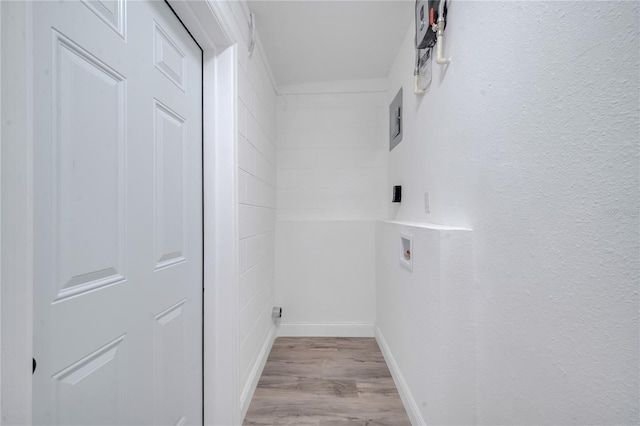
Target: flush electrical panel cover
(395,121)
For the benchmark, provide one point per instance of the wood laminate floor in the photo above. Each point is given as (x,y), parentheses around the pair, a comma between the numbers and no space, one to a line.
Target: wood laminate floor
(326,381)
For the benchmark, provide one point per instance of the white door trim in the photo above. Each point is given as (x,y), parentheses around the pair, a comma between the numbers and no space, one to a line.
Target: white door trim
(210,24)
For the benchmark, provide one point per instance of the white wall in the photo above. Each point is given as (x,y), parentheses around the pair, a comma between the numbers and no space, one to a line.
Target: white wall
(332,156)
(426,316)
(256,209)
(530,137)
(326,277)
(331,185)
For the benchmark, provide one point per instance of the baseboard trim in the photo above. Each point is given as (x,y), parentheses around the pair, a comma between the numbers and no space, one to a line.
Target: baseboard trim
(326,330)
(256,372)
(406,396)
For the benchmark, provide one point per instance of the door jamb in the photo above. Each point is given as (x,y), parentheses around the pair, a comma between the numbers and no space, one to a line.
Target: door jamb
(210,24)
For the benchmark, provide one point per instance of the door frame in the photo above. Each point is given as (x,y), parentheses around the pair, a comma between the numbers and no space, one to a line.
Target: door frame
(210,23)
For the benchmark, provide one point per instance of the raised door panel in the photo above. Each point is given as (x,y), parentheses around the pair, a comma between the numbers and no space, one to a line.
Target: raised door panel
(111,12)
(89,202)
(170,366)
(92,390)
(170,143)
(168,57)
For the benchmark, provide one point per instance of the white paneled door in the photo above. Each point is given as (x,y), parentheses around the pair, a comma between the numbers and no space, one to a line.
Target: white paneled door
(118,215)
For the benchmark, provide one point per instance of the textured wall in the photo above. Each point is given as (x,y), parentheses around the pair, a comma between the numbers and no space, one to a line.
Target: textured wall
(331,184)
(530,137)
(424,318)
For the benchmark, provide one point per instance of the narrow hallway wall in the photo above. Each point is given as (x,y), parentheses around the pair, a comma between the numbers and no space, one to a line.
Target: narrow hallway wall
(256,208)
(529,137)
(331,186)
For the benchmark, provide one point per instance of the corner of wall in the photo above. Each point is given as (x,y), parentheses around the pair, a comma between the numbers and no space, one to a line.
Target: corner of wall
(256,372)
(265,60)
(409,402)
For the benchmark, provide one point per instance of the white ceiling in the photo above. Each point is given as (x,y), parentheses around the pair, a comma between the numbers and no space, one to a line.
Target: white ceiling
(319,41)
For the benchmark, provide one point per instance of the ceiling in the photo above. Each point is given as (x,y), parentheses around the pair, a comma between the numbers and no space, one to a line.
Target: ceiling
(319,41)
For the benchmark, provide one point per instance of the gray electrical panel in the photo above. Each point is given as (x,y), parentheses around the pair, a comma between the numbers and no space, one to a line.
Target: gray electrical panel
(395,121)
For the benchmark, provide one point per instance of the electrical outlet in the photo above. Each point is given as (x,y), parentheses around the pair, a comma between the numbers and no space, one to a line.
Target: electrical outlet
(427,203)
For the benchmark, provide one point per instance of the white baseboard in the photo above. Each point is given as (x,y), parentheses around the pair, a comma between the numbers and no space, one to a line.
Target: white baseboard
(406,396)
(326,330)
(256,372)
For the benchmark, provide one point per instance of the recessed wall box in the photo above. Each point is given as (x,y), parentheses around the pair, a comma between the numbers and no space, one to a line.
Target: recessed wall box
(395,121)
(406,251)
(397,194)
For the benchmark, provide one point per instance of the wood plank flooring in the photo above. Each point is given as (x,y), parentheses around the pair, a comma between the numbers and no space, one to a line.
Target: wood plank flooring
(326,381)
